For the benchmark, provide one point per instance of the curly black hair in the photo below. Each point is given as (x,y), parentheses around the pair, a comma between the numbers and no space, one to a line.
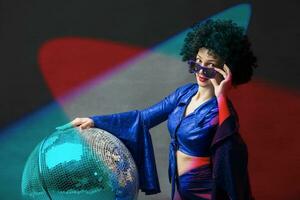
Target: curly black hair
(225,39)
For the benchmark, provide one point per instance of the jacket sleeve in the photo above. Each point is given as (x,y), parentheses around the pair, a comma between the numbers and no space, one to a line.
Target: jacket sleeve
(230,162)
(132,128)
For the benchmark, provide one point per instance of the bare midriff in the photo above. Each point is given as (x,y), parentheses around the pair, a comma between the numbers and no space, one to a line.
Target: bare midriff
(186,162)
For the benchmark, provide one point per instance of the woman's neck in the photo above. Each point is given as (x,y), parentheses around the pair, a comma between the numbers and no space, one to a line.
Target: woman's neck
(204,93)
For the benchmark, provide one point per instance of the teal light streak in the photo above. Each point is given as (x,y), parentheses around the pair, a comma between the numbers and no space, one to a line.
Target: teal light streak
(240,14)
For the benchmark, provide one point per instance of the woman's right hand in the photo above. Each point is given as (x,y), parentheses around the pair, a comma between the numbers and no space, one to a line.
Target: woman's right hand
(81,123)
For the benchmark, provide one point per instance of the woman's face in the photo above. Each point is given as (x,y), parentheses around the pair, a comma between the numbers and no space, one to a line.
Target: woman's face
(207,59)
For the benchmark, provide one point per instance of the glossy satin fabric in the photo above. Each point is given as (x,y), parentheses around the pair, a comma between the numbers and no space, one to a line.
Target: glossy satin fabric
(195,131)
(196,134)
(196,184)
(191,134)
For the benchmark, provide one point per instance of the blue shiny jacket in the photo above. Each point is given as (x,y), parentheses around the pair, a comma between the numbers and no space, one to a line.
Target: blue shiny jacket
(227,149)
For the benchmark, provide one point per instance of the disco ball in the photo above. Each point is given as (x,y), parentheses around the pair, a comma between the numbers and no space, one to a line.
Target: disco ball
(89,164)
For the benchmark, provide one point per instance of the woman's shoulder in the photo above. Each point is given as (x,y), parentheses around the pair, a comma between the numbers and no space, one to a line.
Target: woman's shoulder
(183,90)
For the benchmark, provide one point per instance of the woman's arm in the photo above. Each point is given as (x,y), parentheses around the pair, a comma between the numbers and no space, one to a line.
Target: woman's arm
(150,116)
(223,108)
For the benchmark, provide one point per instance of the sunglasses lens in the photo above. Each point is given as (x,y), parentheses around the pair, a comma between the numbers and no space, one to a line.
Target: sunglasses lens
(195,68)
(209,73)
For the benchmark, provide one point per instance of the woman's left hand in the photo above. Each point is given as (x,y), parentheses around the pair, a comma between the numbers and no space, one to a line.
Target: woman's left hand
(226,84)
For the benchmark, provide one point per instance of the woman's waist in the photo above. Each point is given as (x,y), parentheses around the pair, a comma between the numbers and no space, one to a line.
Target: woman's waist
(197,160)
(187,162)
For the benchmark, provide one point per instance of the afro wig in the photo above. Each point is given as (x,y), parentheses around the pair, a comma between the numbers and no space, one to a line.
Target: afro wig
(225,39)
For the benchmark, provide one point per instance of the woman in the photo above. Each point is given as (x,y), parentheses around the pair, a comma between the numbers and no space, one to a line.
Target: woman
(208,158)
